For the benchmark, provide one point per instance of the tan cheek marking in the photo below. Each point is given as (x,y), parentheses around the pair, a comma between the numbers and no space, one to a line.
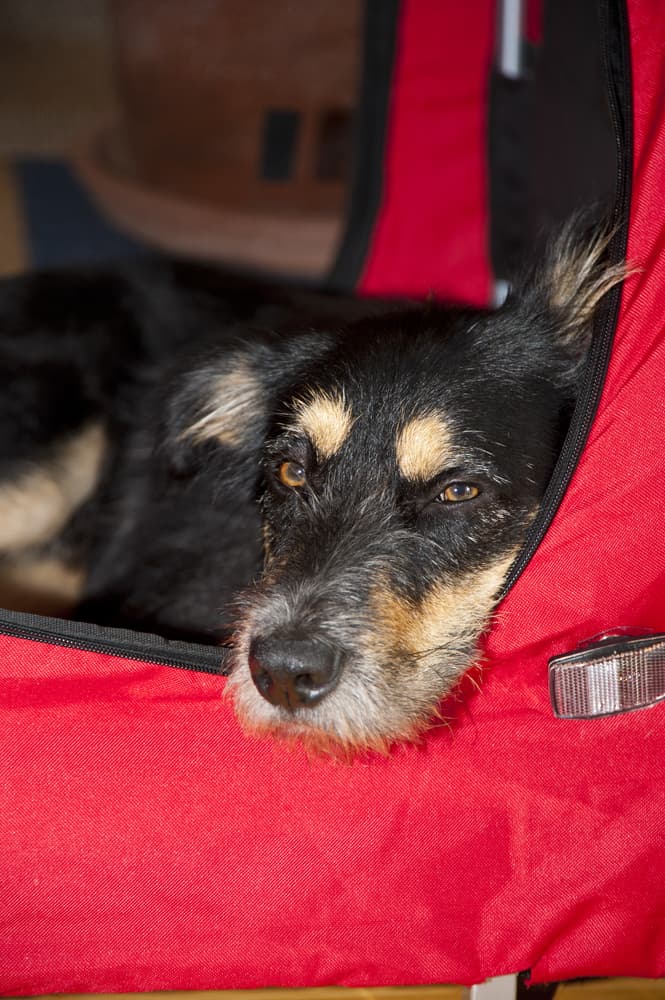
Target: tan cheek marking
(36,506)
(452,616)
(41,586)
(236,399)
(424,447)
(326,420)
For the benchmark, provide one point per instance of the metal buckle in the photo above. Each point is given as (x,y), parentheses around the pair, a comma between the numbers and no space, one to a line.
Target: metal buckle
(620,670)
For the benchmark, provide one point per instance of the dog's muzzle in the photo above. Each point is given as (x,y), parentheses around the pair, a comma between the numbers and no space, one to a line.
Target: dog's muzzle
(292,672)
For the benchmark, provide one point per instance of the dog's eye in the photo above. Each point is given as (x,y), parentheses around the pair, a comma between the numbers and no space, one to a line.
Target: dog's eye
(458,492)
(291,474)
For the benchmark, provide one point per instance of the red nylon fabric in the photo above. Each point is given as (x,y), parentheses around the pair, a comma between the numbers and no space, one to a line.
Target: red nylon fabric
(435,172)
(145,843)
(603,564)
(148,845)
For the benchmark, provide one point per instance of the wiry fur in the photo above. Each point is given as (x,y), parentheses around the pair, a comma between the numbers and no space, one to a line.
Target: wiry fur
(420,443)
(576,280)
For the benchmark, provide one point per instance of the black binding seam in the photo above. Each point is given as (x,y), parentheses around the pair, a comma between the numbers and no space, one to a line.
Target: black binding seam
(617,66)
(123,643)
(511,111)
(379,42)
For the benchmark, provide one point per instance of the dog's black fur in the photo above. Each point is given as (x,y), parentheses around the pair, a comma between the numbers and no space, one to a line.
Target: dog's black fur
(386,467)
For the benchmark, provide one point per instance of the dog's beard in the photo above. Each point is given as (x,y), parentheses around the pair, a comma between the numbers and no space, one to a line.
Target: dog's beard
(362,713)
(399,665)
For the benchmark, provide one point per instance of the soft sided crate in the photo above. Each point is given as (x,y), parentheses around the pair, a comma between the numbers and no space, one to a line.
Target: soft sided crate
(146,843)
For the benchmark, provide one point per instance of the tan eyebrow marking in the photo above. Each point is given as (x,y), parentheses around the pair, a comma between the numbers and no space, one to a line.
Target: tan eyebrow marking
(326,420)
(235,400)
(424,447)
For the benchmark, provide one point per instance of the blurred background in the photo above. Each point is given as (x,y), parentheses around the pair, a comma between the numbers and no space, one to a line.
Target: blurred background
(375,145)
(205,128)
(56,76)
(56,87)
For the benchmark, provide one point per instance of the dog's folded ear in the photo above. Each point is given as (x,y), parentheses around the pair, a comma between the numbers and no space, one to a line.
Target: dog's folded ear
(225,399)
(220,402)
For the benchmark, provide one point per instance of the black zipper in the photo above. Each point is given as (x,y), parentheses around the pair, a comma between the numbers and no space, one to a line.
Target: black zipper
(123,643)
(616,59)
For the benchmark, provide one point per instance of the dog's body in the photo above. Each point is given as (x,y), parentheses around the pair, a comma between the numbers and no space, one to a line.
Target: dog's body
(95,475)
(397,462)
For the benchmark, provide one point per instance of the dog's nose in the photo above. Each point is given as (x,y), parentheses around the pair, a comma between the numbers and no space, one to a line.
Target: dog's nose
(294,673)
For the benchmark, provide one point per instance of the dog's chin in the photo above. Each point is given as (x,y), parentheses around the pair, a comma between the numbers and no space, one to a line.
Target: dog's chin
(325,730)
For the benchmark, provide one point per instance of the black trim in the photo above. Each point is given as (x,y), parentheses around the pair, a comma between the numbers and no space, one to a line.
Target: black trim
(511,114)
(124,643)
(551,140)
(616,53)
(381,19)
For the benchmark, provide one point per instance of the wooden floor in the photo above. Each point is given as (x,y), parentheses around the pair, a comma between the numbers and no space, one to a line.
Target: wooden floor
(607,989)
(598,989)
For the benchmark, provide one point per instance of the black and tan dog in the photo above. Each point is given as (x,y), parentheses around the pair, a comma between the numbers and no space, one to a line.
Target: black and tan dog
(162,433)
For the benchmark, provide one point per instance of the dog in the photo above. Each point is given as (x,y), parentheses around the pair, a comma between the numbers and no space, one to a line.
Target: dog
(340,498)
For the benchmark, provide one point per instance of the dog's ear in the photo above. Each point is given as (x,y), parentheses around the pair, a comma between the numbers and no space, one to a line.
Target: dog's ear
(218,403)
(227,398)
(572,281)
(579,275)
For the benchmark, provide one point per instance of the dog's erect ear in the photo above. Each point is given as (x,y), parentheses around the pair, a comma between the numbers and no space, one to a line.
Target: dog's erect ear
(574,278)
(579,275)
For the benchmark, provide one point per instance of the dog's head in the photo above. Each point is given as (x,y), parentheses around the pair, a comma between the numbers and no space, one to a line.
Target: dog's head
(401,473)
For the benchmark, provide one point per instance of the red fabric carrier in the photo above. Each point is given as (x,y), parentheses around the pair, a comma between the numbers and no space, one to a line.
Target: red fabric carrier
(435,174)
(146,843)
